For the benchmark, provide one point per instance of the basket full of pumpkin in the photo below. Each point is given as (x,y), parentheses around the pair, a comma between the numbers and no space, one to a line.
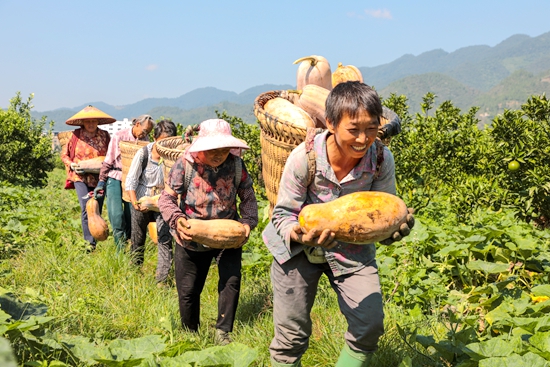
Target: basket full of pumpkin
(286,115)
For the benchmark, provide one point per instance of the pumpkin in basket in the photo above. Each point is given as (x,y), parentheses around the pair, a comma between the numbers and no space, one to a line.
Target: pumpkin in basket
(313,70)
(345,74)
(312,99)
(284,110)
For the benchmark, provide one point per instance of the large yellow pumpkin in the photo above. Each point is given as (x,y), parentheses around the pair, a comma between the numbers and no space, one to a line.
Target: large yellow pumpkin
(359,218)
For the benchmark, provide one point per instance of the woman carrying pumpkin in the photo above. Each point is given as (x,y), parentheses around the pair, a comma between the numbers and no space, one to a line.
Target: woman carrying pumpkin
(146,178)
(209,176)
(345,161)
(86,142)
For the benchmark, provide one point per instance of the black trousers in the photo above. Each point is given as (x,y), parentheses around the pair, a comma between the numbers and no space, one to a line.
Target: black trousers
(191,270)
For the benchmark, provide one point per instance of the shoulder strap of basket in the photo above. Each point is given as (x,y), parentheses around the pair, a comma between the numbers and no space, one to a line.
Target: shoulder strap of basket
(72,143)
(189,171)
(379,157)
(144,158)
(311,163)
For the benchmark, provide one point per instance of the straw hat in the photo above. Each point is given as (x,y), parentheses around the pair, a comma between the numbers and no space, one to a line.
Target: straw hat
(215,134)
(88,113)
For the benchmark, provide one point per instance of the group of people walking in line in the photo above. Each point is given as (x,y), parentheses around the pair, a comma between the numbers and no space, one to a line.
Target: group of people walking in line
(210,181)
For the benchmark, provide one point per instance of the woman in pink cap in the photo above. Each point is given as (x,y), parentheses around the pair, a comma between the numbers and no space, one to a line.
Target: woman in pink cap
(209,176)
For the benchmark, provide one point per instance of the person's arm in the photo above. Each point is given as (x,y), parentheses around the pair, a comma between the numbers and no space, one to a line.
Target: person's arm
(393,127)
(168,201)
(290,200)
(385,182)
(110,159)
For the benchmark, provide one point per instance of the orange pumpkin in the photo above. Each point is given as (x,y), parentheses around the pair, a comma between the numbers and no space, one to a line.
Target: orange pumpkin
(150,202)
(217,233)
(346,73)
(97,226)
(152,228)
(359,218)
(312,99)
(313,70)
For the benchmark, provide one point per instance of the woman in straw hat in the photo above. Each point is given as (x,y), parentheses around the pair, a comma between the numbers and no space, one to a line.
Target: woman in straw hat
(86,142)
(209,176)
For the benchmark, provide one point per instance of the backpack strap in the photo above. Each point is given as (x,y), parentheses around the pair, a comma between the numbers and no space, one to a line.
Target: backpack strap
(188,175)
(238,172)
(144,158)
(311,156)
(379,156)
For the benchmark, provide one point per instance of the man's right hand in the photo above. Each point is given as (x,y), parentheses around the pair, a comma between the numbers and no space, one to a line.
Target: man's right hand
(99,191)
(314,237)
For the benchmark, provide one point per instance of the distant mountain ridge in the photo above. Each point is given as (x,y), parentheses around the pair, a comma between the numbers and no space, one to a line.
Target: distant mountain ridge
(492,78)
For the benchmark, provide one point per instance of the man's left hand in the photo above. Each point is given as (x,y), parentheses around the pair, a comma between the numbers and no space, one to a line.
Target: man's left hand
(404,229)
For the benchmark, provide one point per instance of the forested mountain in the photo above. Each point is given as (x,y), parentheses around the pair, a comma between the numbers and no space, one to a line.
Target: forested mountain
(492,78)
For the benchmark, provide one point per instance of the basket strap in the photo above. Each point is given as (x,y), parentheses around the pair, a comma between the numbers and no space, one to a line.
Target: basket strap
(238,172)
(311,156)
(144,158)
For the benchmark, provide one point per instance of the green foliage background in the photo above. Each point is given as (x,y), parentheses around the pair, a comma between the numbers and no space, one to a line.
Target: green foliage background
(467,288)
(25,146)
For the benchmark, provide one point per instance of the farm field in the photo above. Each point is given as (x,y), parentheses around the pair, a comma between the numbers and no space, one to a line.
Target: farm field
(469,287)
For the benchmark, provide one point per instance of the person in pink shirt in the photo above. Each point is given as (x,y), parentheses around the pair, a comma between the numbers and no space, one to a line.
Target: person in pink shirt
(110,178)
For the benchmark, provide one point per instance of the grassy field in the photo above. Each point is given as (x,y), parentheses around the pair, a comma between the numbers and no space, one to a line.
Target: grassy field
(102,296)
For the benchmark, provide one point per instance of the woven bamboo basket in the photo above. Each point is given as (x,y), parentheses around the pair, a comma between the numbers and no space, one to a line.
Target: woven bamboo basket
(128,150)
(277,138)
(166,148)
(64,137)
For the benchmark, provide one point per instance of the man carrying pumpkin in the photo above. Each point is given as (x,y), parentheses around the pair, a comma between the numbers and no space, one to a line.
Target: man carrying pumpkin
(346,160)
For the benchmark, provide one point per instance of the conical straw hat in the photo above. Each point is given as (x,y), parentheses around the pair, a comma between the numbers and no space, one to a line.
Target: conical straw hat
(88,113)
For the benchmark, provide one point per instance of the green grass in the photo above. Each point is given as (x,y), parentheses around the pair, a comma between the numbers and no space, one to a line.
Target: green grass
(103,296)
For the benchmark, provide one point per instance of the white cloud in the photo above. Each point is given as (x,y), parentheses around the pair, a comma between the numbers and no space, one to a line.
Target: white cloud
(378,13)
(151,67)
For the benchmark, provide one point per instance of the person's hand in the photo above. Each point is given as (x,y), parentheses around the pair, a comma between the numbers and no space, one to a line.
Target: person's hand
(99,191)
(247,233)
(182,227)
(313,238)
(404,229)
(79,171)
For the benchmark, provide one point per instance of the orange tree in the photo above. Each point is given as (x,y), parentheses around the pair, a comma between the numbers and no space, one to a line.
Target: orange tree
(25,147)
(520,158)
(436,153)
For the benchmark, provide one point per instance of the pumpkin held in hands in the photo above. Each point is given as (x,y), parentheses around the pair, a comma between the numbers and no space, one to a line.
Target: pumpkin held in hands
(359,218)
(217,233)
(150,202)
(97,226)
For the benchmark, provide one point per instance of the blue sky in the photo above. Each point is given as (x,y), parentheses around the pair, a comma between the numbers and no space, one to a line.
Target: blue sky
(70,53)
